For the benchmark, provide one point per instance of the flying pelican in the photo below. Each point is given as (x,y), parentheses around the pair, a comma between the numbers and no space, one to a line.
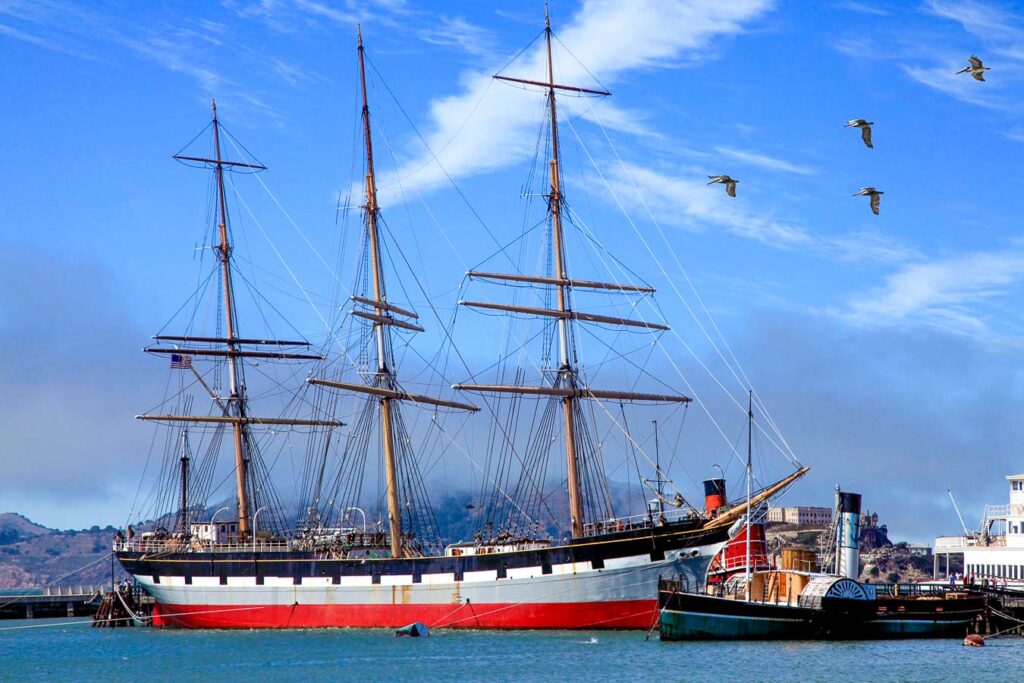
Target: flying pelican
(865,129)
(876,196)
(976,69)
(730,184)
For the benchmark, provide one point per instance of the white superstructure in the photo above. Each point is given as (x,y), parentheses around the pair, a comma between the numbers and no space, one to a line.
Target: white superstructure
(996,551)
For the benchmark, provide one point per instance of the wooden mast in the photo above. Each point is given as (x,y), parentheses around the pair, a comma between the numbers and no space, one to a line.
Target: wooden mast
(236,399)
(565,368)
(233,409)
(381,329)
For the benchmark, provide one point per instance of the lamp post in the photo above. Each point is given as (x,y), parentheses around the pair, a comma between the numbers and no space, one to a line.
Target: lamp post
(254,527)
(360,511)
(213,523)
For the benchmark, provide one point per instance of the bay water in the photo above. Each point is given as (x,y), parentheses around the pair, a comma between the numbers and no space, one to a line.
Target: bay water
(69,650)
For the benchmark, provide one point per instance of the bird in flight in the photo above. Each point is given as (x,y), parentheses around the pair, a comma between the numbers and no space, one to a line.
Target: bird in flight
(876,197)
(730,184)
(865,129)
(976,69)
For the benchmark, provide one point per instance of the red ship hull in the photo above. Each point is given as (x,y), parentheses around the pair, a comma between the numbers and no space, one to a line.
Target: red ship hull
(557,615)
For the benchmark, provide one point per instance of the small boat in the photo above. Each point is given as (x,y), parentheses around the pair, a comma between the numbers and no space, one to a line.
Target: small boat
(414,630)
(744,598)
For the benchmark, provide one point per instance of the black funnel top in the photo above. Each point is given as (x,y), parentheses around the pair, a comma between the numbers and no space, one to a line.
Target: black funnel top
(849,502)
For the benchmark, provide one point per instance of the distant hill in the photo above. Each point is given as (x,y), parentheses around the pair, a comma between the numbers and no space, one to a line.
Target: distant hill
(15,527)
(34,555)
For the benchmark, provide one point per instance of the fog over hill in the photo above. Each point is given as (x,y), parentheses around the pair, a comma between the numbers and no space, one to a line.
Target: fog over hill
(34,555)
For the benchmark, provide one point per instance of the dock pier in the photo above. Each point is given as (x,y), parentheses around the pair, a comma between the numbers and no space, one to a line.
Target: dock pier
(50,602)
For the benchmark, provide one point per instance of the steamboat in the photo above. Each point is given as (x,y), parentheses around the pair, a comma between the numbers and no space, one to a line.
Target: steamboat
(745,597)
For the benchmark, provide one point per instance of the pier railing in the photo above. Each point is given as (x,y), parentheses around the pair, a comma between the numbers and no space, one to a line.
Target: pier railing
(51,592)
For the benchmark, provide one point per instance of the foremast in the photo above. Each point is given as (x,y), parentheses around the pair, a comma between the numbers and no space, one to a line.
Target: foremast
(234,408)
(567,384)
(236,403)
(384,384)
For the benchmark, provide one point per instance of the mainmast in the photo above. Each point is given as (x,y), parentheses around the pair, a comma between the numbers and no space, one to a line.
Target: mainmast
(567,385)
(383,344)
(384,384)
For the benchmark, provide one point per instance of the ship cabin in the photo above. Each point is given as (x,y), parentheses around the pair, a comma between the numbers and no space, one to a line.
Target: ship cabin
(509,546)
(214,532)
(995,553)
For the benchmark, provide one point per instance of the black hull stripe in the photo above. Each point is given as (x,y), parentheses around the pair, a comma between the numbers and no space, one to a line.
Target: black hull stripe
(299,564)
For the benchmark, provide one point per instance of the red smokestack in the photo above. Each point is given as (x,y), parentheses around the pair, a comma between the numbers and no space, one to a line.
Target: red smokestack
(714,496)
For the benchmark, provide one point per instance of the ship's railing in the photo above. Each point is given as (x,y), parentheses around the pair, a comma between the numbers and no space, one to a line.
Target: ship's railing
(641,521)
(758,559)
(913,590)
(997,511)
(177,545)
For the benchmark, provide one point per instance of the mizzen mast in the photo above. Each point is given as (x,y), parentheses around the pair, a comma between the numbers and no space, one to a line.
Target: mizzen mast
(567,384)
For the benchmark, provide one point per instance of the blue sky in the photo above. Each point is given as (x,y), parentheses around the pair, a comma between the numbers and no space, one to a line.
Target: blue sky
(887,346)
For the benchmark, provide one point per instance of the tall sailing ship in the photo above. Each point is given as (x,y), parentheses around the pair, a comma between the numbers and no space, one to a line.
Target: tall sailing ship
(323,569)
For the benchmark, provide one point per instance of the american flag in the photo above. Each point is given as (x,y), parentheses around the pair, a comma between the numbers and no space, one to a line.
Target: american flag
(181,362)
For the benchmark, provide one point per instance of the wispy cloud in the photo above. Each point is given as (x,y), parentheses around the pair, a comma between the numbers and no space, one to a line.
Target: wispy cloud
(979,19)
(764,161)
(685,201)
(942,78)
(296,17)
(863,9)
(1016,134)
(487,125)
(957,293)
(456,32)
(16,34)
(194,47)
(858,48)
(997,35)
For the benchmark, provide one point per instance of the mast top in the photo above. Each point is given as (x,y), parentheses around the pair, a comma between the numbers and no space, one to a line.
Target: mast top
(214,108)
(359,35)
(550,84)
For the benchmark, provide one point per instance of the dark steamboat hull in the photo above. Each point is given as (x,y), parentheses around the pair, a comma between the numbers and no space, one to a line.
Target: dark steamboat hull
(608,582)
(688,616)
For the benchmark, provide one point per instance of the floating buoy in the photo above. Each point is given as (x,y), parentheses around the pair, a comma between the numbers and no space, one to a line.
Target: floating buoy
(414,630)
(974,640)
